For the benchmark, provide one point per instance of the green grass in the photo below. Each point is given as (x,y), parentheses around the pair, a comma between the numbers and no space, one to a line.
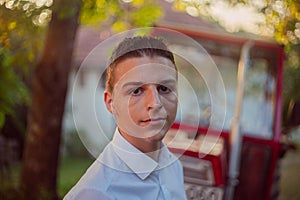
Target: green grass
(70,171)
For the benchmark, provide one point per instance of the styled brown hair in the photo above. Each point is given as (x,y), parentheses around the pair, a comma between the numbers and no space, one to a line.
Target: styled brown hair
(138,46)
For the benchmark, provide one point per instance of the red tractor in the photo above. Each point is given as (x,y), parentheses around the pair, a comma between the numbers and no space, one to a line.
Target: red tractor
(244,159)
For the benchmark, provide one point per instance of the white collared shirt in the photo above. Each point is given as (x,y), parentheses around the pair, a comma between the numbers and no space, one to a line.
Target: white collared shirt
(124,172)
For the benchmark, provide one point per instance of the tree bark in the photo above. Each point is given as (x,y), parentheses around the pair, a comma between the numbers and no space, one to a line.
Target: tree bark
(50,83)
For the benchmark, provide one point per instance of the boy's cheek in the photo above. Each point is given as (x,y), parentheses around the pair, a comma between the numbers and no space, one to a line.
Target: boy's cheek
(171,103)
(170,98)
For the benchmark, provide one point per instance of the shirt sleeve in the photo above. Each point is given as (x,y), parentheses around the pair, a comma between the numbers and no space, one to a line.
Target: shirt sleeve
(88,193)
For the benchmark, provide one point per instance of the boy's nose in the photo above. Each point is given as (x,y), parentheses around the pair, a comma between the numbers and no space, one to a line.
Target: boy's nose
(153,99)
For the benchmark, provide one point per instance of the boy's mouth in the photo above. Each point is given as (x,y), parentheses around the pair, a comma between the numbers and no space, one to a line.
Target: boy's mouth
(154,120)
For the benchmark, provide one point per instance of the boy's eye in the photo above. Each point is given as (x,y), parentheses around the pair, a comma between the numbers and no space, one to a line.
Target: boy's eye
(137,91)
(163,89)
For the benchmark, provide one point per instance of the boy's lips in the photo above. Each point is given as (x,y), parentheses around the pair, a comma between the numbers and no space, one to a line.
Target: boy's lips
(154,120)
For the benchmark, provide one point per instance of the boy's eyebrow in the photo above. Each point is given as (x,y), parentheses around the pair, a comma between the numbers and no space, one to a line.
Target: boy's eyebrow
(133,83)
(140,83)
(172,81)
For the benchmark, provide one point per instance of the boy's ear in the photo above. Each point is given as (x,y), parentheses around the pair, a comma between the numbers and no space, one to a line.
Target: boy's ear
(108,101)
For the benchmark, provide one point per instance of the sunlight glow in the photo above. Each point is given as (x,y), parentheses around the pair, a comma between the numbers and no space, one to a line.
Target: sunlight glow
(127,1)
(235,17)
(9,4)
(26,6)
(43,18)
(238,18)
(279,7)
(297,30)
(192,11)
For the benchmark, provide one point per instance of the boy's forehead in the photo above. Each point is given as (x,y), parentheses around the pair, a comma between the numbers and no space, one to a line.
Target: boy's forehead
(146,70)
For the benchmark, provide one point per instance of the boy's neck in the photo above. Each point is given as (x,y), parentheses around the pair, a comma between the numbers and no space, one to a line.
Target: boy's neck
(150,148)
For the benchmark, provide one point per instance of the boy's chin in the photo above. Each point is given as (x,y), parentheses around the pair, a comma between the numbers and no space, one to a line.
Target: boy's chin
(156,135)
(150,132)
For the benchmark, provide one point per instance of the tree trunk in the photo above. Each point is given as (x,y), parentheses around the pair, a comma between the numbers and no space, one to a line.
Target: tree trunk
(50,83)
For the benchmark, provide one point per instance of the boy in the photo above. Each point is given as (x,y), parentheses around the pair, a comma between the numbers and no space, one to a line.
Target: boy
(141,93)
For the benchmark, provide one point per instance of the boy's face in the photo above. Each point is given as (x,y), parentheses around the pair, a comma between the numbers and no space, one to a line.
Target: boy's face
(144,98)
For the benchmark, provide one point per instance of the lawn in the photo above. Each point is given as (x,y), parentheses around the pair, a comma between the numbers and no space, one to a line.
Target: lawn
(70,172)
(71,169)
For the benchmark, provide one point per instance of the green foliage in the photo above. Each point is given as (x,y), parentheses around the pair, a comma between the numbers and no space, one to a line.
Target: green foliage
(95,11)
(292,75)
(118,15)
(13,91)
(146,15)
(71,169)
(73,146)
(291,80)
(36,12)
(282,17)
(22,36)
(20,43)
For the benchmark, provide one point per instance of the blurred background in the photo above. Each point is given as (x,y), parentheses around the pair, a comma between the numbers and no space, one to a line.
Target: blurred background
(42,46)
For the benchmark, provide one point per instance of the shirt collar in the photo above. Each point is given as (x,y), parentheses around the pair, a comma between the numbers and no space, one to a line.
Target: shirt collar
(141,164)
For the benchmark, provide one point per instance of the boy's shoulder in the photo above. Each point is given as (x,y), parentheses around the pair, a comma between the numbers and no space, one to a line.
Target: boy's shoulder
(97,177)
